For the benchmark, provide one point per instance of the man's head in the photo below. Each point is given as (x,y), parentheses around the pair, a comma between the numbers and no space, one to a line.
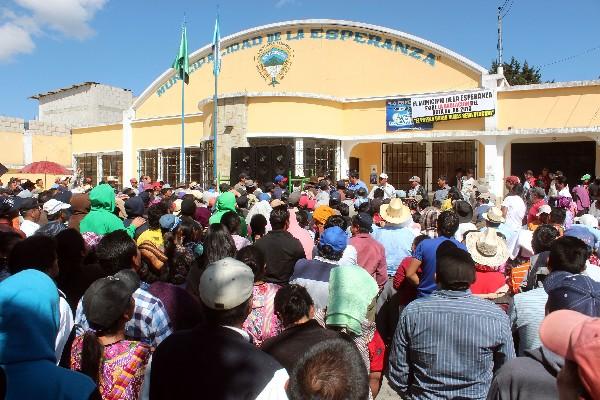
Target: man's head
(543,237)
(442,181)
(572,292)
(56,210)
(414,181)
(332,243)
(332,369)
(353,177)
(133,182)
(226,292)
(35,252)
(528,174)
(447,223)
(292,304)
(560,182)
(30,210)
(362,223)
(538,193)
(455,269)
(117,251)
(39,182)
(242,178)
(279,218)
(568,254)
(383,178)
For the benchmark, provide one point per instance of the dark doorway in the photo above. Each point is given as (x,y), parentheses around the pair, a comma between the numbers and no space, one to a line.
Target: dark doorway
(575,159)
(449,156)
(354,164)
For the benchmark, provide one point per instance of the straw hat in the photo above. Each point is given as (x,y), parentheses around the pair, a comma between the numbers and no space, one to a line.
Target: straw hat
(487,248)
(395,212)
(494,214)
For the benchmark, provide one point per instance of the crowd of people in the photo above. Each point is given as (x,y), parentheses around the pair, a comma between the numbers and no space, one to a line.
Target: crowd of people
(276,291)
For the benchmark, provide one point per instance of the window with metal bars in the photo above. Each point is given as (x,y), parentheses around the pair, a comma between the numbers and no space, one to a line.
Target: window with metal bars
(88,165)
(320,157)
(148,162)
(199,164)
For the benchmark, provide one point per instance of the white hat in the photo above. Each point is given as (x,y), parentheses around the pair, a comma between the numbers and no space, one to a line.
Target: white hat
(494,214)
(588,220)
(395,212)
(545,209)
(487,248)
(64,178)
(177,206)
(415,179)
(53,206)
(383,175)
(225,284)
(196,193)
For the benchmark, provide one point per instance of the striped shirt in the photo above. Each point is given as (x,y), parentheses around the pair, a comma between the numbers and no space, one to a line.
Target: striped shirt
(526,314)
(448,345)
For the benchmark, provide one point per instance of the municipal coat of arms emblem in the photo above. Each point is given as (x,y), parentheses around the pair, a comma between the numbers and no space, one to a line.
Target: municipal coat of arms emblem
(273,62)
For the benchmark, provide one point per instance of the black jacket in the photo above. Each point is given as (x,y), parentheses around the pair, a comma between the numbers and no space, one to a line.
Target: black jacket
(209,363)
(281,251)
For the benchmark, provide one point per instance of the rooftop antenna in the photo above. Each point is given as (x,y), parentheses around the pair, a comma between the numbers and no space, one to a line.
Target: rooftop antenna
(500,69)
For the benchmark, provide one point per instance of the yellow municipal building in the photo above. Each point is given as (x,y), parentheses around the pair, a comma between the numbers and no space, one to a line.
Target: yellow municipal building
(319,97)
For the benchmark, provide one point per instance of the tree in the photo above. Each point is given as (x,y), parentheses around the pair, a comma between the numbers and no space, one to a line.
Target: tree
(516,74)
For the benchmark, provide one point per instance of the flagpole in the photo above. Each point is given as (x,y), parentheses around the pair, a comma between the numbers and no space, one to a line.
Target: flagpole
(216,70)
(215,111)
(182,151)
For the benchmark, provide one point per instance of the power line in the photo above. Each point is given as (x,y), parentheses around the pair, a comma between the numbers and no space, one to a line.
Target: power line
(568,58)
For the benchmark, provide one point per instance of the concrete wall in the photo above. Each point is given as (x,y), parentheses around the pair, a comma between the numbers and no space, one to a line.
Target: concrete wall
(11,141)
(86,105)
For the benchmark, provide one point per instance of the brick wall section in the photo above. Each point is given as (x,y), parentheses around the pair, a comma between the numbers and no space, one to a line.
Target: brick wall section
(10,124)
(88,105)
(232,112)
(48,129)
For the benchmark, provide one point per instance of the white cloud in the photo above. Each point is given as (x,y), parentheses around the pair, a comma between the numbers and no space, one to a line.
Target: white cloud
(283,3)
(31,18)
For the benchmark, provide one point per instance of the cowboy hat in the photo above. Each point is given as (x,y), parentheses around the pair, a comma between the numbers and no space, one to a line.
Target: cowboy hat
(395,212)
(487,248)
(464,211)
(494,214)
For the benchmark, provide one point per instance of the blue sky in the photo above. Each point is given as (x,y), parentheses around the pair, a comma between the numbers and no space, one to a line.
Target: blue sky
(47,44)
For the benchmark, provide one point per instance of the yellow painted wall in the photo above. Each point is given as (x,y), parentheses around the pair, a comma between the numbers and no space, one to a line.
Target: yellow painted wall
(368,154)
(549,108)
(52,148)
(167,133)
(12,145)
(342,68)
(98,139)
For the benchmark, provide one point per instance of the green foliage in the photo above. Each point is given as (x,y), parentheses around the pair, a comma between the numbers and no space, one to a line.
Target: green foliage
(517,74)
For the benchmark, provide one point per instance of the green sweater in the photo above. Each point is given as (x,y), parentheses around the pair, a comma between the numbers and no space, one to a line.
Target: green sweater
(101,220)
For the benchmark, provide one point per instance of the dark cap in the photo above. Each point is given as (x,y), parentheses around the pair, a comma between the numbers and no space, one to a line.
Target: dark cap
(335,196)
(323,185)
(464,211)
(294,198)
(188,207)
(577,292)
(28,204)
(105,301)
(363,220)
(341,184)
(7,206)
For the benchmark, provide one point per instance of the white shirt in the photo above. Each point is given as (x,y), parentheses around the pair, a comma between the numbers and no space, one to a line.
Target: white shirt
(388,191)
(515,211)
(64,327)
(565,192)
(592,271)
(29,227)
(462,228)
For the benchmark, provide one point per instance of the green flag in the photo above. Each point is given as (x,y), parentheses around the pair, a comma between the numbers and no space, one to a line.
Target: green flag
(182,63)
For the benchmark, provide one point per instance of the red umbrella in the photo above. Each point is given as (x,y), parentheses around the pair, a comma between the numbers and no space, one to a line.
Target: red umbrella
(45,167)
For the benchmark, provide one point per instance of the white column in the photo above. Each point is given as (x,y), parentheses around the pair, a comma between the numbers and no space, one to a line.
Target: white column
(429,167)
(299,159)
(494,147)
(128,156)
(345,150)
(27,147)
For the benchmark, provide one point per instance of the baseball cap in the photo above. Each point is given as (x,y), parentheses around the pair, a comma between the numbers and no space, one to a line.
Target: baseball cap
(582,233)
(250,183)
(363,220)
(278,178)
(334,237)
(169,222)
(7,205)
(28,204)
(335,196)
(415,179)
(383,175)
(306,202)
(53,206)
(105,301)
(225,284)
(341,184)
(539,192)
(264,197)
(575,337)
(575,292)
(545,209)
(166,186)
(294,198)
(513,180)
(586,177)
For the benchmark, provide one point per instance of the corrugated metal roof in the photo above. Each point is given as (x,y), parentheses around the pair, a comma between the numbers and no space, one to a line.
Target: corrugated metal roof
(40,95)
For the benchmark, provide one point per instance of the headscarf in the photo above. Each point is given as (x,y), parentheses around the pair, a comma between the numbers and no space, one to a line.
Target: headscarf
(80,207)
